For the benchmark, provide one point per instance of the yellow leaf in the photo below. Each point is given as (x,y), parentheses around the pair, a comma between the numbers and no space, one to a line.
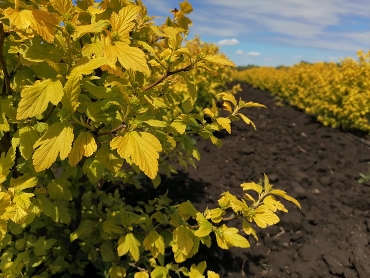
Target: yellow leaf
(229,237)
(129,243)
(4,125)
(84,230)
(21,183)
(247,228)
(264,217)
(109,158)
(3,228)
(28,137)
(72,90)
(58,189)
(35,98)
(84,145)
(211,274)
(252,186)
(57,140)
(129,57)
(19,215)
(62,6)
(142,147)
(96,27)
(219,59)
(225,123)
(197,271)
(174,38)
(122,22)
(23,200)
(214,214)
(117,272)
(283,194)
(40,21)
(205,227)
(179,126)
(273,204)
(5,203)
(186,7)
(141,274)
(228,97)
(89,66)
(182,240)
(246,120)
(154,243)
(6,163)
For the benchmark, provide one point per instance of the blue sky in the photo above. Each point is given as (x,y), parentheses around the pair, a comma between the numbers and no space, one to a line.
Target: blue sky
(277,32)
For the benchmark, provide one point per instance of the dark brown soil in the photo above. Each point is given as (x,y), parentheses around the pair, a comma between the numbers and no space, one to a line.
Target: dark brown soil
(320,166)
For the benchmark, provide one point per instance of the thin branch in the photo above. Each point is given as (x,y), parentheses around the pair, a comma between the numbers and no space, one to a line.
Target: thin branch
(122,126)
(3,35)
(138,267)
(167,74)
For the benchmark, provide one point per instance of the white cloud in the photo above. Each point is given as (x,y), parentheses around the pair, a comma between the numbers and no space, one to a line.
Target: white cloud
(228,42)
(253,53)
(239,52)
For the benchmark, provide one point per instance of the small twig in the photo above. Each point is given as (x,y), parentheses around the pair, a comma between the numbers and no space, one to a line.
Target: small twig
(3,35)
(138,267)
(358,139)
(122,126)
(167,74)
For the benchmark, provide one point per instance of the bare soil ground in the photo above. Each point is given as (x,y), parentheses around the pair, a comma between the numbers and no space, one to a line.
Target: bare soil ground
(318,165)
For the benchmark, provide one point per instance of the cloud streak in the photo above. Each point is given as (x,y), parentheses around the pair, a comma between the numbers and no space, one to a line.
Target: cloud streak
(228,42)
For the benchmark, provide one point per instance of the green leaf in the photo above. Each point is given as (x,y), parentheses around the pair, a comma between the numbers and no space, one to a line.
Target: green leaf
(58,189)
(103,110)
(107,253)
(84,230)
(109,159)
(187,209)
(57,140)
(42,245)
(117,272)
(28,137)
(159,272)
(110,226)
(142,147)
(94,169)
(35,98)
(205,227)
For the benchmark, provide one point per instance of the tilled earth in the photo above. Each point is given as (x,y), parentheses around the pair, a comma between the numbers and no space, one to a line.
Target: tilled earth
(318,165)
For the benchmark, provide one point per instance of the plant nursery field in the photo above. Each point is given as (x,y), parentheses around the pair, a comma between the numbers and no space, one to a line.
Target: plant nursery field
(318,165)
